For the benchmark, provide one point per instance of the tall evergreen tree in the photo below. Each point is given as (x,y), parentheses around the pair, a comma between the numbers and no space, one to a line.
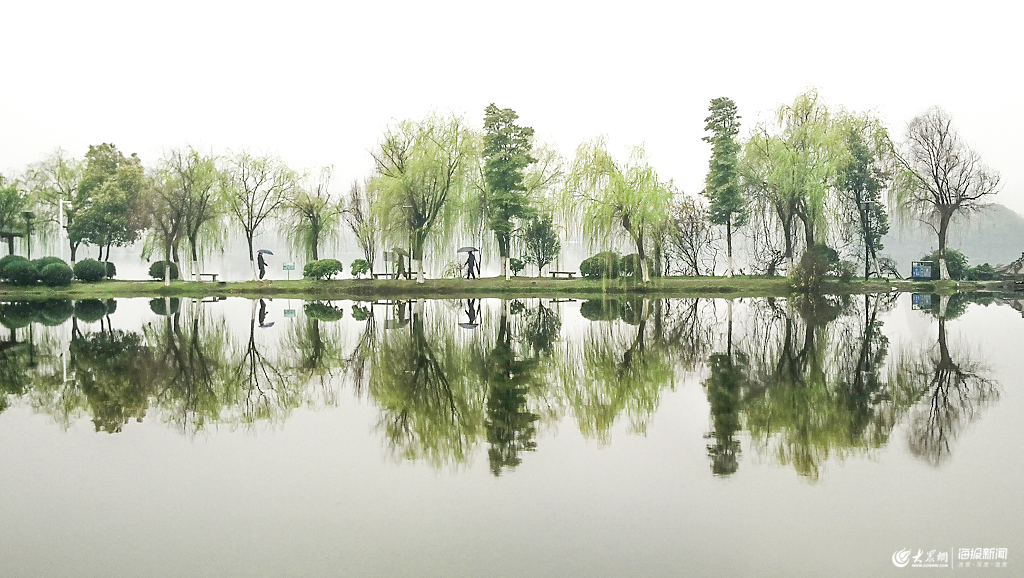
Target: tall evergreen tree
(722,185)
(507,148)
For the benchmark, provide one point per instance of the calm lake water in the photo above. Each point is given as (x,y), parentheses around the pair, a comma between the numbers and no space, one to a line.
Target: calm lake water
(681,437)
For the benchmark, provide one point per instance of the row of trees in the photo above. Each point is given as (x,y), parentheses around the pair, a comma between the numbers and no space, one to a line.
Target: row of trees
(811,175)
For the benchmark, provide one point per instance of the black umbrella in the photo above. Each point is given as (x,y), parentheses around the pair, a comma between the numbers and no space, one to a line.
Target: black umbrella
(265,251)
(401,252)
(467,249)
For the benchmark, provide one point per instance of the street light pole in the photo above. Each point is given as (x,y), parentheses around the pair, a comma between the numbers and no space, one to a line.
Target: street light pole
(61,225)
(866,208)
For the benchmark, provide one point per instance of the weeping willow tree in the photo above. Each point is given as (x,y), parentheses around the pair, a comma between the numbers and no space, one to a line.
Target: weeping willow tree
(203,205)
(421,177)
(611,198)
(363,221)
(311,216)
(789,169)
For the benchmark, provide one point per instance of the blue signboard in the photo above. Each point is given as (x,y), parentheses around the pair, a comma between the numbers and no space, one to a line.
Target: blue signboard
(921,270)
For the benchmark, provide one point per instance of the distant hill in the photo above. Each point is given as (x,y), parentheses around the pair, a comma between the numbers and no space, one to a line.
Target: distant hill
(994,236)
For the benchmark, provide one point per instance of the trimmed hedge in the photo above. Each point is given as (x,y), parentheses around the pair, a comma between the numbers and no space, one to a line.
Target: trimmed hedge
(111,269)
(322,269)
(42,262)
(156,270)
(603,265)
(359,267)
(90,310)
(90,270)
(20,273)
(7,261)
(56,275)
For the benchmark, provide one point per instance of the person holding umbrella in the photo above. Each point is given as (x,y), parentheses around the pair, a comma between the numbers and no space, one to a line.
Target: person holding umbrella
(472,264)
(261,262)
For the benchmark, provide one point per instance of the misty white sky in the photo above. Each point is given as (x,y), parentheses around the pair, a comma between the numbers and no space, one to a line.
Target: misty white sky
(316,82)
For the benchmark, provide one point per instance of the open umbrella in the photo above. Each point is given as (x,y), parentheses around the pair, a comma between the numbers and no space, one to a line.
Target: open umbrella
(468,325)
(467,249)
(400,251)
(265,251)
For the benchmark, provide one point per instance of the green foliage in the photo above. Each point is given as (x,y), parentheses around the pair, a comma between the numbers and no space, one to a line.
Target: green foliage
(256,187)
(516,265)
(956,262)
(111,269)
(629,266)
(311,216)
(359,267)
(160,306)
(42,262)
(20,273)
(845,270)
(156,270)
(613,197)
(90,270)
(983,272)
(10,260)
(323,311)
(815,264)
(600,309)
(322,269)
(56,275)
(107,210)
(90,310)
(13,203)
(541,242)
(506,153)
(360,313)
(722,185)
(602,265)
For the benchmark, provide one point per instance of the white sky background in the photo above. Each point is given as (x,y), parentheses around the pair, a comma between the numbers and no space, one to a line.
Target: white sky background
(317,83)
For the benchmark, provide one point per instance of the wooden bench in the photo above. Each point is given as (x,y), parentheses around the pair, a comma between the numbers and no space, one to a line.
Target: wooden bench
(385,275)
(566,274)
(212,276)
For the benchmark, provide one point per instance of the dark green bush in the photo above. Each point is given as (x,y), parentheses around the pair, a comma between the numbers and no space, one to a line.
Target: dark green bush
(359,267)
(845,270)
(17,315)
(360,313)
(600,309)
(56,275)
(20,273)
(324,311)
(42,262)
(55,312)
(981,273)
(111,269)
(7,261)
(605,264)
(956,263)
(90,310)
(816,262)
(90,270)
(160,308)
(156,270)
(322,269)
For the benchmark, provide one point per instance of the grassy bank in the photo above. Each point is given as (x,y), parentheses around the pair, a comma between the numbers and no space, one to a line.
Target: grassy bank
(364,289)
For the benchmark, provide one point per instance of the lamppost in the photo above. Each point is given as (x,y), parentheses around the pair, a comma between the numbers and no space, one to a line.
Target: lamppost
(29,215)
(865,207)
(409,270)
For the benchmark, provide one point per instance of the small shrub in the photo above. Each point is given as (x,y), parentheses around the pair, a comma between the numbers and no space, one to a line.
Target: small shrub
(56,275)
(815,263)
(360,313)
(602,265)
(159,307)
(323,311)
(845,270)
(90,270)
(111,269)
(20,273)
(42,262)
(322,269)
(156,270)
(956,264)
(981,273)
(516,265)
(359,267)
(7,261)
(90,310)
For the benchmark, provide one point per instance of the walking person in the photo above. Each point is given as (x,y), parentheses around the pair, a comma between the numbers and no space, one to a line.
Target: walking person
(472,268)
(262,264)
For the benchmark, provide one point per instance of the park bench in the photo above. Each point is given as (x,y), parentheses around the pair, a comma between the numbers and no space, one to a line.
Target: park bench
(212,276)
(566,274)
(385,275)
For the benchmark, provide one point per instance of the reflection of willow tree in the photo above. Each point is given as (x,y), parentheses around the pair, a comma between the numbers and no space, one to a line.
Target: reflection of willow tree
(187,364)
(258,385)
(357,365)
(509,424)
(814,384)
(110,369)
(315,346)
(950,389)
(616,371)
(421,379)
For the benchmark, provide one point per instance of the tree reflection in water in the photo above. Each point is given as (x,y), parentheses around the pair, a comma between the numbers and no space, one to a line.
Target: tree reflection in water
(805,379)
